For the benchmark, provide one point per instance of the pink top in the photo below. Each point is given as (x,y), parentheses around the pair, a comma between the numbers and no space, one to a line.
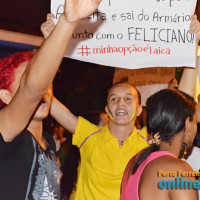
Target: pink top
(130,190)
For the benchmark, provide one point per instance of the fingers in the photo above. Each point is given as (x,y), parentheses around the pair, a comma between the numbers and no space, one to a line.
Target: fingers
(193,17)
(96,3)
(194,25)
(48,26)
(74,10)
(49,21)
(50,16)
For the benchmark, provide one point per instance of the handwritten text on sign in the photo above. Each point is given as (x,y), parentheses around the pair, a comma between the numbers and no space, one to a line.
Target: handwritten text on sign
(134,34)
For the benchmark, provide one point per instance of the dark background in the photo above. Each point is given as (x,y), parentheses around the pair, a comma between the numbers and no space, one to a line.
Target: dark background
(26,16)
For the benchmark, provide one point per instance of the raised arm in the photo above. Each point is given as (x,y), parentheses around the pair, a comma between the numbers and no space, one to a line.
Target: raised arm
(58,111)
(188,79)
(63,115)
(42,69)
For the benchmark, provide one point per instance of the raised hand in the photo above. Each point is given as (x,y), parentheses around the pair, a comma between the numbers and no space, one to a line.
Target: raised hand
(48,26)
(78,9)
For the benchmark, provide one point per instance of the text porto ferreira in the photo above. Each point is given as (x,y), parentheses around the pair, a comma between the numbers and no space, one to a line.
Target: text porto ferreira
(179,181)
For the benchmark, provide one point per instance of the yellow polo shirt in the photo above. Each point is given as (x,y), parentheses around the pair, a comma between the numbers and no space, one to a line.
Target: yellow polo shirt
(102,160)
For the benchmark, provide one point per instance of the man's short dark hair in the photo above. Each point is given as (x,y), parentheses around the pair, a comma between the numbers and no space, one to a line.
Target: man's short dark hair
(126,82)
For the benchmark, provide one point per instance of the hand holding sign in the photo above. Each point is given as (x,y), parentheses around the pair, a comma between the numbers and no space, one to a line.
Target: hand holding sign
(133,34)
(195,27)
(48,26)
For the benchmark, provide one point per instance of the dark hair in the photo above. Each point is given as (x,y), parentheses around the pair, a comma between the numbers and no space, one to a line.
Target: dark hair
(167,111)
(126,82)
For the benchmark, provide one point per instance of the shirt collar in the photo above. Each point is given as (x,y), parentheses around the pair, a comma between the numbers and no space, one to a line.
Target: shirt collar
(106,135)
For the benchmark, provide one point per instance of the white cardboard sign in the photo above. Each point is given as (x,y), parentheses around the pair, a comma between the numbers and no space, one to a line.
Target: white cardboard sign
(134,34)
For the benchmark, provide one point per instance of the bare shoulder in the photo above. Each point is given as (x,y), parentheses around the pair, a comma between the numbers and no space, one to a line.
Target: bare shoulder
(162,174)
(169,163)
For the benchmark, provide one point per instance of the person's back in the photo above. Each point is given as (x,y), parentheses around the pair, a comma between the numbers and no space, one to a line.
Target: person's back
(148,174)
(156,172)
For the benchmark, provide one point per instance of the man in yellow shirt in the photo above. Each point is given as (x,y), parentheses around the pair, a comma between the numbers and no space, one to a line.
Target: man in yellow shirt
(105,152)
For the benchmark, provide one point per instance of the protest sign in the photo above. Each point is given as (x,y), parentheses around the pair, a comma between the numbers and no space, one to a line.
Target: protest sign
(134,34)
(145,76)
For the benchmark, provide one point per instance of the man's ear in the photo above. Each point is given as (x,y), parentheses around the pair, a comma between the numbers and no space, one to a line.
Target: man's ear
(139,110)
(106,109)
(5,96)
(187,125)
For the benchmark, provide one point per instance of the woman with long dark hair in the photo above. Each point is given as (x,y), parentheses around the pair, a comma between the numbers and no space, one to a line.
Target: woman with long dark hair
(156,172)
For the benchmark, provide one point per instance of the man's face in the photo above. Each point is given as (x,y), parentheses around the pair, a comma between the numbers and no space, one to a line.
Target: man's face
(44,106)
(122,104)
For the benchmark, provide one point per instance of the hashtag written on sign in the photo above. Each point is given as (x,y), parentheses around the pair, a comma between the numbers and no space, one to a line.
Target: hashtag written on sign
(84,51)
